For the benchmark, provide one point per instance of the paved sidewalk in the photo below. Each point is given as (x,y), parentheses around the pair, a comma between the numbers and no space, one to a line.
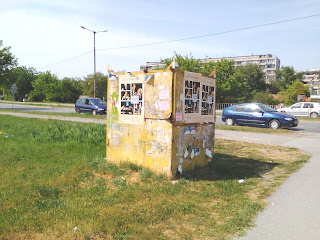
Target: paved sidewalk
(294,209)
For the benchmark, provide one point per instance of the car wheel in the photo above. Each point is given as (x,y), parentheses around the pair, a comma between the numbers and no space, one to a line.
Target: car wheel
(274,124)
(94,112)
(314,115)
(229,121)
(77,110)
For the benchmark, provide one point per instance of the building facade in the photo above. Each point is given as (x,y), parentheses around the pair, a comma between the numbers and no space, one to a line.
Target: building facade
(311,77)
(267,62)
(152,65)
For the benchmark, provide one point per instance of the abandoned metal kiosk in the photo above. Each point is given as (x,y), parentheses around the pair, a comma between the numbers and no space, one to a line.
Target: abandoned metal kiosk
(163,120)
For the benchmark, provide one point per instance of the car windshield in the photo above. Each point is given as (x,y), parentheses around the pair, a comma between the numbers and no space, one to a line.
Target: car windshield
(297,105)
(98,102)
(266,108)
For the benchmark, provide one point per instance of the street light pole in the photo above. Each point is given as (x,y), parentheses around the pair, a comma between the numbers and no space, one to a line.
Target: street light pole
(94,57)
(94,64)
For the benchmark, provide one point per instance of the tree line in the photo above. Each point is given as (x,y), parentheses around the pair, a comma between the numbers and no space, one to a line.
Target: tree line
(44,86)
(246,83)
(234,84)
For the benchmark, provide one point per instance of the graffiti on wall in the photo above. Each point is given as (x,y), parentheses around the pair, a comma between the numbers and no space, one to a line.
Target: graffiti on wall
(114,117)
(115,113)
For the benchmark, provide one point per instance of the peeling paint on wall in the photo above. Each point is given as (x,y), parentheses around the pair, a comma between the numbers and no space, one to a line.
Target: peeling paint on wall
(208,152)
(161,137)
(180,166)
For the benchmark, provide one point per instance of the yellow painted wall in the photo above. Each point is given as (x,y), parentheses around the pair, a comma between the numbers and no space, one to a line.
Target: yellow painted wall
(161,137)
(158,145)
(192,145)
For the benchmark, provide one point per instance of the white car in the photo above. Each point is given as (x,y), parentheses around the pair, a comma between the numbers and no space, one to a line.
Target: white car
(303,109)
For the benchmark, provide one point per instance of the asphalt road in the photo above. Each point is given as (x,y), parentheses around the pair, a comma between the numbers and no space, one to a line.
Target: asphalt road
(30,108)
(304,125)
(308,126)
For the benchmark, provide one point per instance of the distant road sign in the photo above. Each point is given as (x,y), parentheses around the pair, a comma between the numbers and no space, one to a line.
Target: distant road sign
(14,88)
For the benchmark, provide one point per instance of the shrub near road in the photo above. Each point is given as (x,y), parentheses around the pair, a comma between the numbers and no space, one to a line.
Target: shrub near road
(56,184)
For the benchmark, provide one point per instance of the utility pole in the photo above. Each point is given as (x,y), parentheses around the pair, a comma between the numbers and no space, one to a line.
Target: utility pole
(94,57)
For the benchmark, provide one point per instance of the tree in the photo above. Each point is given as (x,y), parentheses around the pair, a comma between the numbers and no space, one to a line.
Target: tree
(101,85)
(23,78)
(186,63)
(224,73)
(274,86)
(251,79)
(228,88)
(286,76)
(226,82)
(47,87)
(43,87)
(233,84)
(67,91)
(264,97)
(289,96)
(7,61)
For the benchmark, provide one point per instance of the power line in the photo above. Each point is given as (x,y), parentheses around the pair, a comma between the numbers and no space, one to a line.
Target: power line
(190,38)
(212,34)
(69,59)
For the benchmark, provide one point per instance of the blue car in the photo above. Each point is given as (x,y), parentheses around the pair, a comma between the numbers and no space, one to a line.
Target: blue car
(257,114)
(91,105)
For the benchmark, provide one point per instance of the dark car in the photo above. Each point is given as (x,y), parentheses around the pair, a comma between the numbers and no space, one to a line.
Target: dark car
(91,105)
(257,114)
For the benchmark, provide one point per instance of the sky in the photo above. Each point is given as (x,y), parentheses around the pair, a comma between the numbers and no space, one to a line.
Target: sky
(46,35)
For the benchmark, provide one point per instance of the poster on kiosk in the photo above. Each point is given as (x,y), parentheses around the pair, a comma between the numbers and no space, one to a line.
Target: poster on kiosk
(199,98)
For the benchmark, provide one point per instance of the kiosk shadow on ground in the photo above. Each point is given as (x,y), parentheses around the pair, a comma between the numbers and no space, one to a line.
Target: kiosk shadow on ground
(224,167)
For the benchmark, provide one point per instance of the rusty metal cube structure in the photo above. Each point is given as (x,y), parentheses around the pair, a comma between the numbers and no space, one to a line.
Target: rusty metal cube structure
(163,120)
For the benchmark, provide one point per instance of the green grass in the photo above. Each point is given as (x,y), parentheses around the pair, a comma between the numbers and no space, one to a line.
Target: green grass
(254,129)
(309,119)
(56,184)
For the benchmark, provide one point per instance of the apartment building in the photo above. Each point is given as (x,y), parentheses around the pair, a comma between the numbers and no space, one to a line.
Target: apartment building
(152,65)
(267,62)
(312,78)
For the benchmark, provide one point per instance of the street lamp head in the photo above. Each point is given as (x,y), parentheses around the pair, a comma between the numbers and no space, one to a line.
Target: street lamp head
(92,30)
